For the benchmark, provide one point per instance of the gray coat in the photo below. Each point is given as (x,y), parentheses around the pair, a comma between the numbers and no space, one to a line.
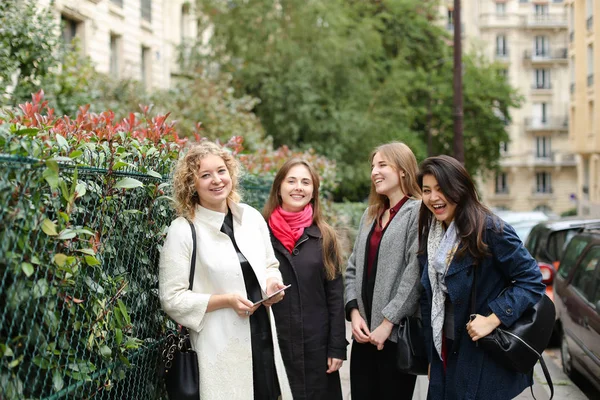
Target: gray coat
(397,284)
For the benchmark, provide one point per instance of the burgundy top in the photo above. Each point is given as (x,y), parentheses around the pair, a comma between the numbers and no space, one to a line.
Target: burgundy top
(377,234)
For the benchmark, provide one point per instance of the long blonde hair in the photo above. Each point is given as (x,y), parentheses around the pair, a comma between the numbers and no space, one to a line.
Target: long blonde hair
(401,159)
(332,252)
(184,188)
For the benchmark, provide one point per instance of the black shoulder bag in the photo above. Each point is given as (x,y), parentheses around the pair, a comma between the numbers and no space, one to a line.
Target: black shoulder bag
(521,346)
(411,357)
(182,379)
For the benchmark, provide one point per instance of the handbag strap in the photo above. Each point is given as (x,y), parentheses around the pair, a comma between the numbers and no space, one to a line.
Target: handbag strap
(193,263)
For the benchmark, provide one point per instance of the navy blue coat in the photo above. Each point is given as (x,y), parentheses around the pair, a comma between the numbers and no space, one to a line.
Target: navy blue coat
(471,373)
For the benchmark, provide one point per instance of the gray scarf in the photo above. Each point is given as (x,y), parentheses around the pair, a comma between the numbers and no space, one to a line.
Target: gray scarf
(441,247)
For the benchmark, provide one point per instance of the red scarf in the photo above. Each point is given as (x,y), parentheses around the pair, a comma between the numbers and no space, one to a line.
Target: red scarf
(289,226)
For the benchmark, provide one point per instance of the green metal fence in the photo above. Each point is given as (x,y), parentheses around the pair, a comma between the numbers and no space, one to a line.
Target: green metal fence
(80,316)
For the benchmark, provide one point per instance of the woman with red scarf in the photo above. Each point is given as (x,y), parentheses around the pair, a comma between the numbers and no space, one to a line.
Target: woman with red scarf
(310,318)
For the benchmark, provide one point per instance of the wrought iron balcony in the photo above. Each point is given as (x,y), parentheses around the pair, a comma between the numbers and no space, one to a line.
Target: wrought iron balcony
(541,85)
(546,21)
(546,55)
(548,123)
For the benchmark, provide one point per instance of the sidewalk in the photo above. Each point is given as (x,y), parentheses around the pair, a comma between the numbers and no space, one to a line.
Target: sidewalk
(564,388)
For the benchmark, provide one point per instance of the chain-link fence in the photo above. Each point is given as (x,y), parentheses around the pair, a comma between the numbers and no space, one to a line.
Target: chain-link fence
(80,316)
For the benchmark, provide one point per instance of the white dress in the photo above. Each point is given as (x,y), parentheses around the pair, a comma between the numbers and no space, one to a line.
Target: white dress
(221,338)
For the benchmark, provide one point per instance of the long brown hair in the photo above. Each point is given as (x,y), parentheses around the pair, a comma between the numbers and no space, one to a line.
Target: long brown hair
(332,254)
(401,158)
(184,178)
(470,215)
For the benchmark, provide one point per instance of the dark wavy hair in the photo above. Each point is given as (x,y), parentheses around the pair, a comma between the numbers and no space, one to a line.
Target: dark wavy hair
(470,215)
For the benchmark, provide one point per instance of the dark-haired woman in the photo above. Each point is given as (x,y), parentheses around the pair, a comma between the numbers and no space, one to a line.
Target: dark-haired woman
(310,318)
(458,236)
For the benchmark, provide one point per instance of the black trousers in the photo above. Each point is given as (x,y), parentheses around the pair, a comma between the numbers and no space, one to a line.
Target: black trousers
(374,375)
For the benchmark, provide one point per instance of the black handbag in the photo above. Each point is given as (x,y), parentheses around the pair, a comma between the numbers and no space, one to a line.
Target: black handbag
(521,346)
(411,357)
(182,379)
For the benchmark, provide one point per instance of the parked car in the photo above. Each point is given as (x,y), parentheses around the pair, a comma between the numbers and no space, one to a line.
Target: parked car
(522,221)
(548,240)
(577,301)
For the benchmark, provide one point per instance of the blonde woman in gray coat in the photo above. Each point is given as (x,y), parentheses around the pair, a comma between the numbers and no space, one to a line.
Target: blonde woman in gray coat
(382,277)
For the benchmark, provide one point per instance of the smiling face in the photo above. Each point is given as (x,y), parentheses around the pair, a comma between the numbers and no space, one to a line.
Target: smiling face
(213,183)
(296,190)
(386,179)
(442,208)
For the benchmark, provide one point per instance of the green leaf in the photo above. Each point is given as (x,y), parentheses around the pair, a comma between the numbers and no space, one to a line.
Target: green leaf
(5,351)
(128,183)
(40,288)
(84,231)
(66,234)
(28,131)
(89,252)
(15,362)
(49,228)
(62,142)
(65,217)
(105,351)
(91,260)
(80,189)
(51,175)
(153,173)
(75,153)
(60,259)
(27,269)
(124,312)
(35,260)
(118,336)
(57,380)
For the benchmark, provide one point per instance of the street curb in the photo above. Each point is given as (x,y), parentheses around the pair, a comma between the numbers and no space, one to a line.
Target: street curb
(564,388)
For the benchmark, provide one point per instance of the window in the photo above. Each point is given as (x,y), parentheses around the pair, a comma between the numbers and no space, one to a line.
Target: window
(542,145)
(590,14)
(574,250)
(146,66)
(115,56)
(146,6)
(117,2)
(501,8)
(503,72)
(69,29)
(591,117)
(541,45)
(501,183)
(184,23)
(540,9)
(503,147)
(541,78)
(543,182)
(590,64)
(540,114)
(584,281)
(450,23)
(501,48)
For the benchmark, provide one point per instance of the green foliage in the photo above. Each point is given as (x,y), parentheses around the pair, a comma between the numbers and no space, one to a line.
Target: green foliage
(82,211)
(569,213)
(344,76)
(28,40)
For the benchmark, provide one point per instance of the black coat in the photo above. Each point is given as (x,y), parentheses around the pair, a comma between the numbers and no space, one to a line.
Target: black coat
(310,319)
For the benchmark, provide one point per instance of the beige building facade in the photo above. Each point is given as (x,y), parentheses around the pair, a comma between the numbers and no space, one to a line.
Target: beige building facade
(530,40)
(584,131)
(133,39)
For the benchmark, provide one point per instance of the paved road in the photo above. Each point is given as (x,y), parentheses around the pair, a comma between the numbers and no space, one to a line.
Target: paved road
(564,388)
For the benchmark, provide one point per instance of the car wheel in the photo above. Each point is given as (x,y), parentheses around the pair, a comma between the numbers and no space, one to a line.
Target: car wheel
(567,361)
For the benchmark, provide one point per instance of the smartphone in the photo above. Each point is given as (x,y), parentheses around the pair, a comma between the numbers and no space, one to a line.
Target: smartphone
(272,294)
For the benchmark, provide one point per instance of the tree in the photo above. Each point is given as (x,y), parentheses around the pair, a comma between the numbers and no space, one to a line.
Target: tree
(28,40)
(344,76)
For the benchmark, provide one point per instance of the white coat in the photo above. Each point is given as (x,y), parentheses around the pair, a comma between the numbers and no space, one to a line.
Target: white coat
(221,337)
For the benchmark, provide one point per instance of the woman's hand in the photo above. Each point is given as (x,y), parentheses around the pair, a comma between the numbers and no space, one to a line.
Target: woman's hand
(273,285)
(481,326)
(333,364)
(381,334)
(360,330)
(241,305)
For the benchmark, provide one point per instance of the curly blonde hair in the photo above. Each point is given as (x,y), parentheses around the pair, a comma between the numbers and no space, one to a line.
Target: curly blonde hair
(184,188)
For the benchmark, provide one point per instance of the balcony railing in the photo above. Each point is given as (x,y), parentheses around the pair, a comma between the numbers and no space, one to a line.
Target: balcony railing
(590,80)
(546,55)
(590,23)
(548,123)
(546,21)
(501,191)
(501,53)
(541,85)
(541,190)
